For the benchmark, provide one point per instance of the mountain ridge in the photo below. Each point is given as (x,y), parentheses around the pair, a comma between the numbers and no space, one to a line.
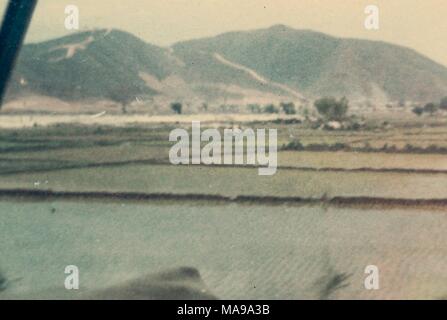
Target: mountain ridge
(277,63)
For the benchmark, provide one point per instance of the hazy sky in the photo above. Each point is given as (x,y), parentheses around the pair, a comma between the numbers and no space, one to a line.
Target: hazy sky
(419,24)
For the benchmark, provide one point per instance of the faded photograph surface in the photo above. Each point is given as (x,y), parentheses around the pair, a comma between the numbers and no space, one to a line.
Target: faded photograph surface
(268,149)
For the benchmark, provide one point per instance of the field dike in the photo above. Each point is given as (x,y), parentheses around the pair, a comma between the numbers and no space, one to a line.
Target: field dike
(61,165)
(366,202)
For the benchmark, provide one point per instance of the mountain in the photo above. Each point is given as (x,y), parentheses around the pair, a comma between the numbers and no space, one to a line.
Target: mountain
(274,64)
(97,64)
(319,65)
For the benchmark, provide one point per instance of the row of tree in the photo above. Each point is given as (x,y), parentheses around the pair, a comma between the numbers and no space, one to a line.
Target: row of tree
(329,108)
(286,107)
(431,108)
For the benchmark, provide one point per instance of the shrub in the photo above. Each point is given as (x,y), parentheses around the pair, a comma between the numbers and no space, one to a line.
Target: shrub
(294,145)
(331,109)
(177,107)
(306,112)
(288,108)
(254,108)
(3,282)
(430,108)
(443,103)
(418,111)
(270,108)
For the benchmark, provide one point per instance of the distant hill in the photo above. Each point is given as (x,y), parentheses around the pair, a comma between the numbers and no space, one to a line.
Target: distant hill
(97,64)
(318,65)
(278,63)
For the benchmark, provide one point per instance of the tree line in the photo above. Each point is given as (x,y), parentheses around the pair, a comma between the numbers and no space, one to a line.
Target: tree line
(431,107)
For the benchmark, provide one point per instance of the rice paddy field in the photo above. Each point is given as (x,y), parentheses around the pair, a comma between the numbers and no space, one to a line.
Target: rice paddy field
(107,200)
(233,182)
(253,252)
